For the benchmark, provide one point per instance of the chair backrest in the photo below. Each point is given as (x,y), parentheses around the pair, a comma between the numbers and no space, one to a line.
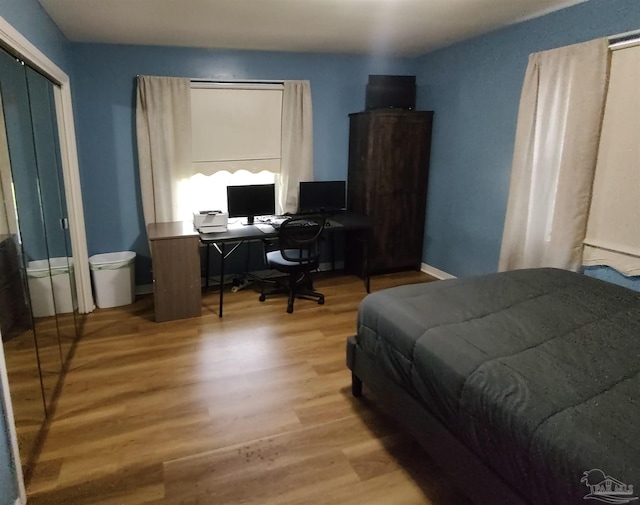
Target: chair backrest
(299,238)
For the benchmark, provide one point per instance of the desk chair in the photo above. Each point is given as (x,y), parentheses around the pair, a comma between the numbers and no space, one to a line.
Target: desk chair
(297,254)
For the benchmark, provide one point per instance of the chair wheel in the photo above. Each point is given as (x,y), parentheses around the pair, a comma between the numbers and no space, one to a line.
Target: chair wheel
(321,301)
(262,298)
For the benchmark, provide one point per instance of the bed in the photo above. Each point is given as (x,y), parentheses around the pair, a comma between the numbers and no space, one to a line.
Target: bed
(523,385)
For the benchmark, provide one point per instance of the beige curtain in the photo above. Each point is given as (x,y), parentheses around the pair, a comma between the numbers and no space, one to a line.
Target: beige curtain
(554,160)
(297,144)
(163,124)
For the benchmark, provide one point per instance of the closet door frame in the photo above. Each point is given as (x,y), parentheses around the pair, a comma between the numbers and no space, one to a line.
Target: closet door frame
(16,43)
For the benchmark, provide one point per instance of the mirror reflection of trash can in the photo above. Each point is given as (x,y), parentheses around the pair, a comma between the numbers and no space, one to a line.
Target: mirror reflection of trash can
(52,286)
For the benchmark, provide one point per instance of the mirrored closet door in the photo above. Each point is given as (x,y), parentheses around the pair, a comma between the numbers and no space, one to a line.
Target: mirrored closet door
(37,286)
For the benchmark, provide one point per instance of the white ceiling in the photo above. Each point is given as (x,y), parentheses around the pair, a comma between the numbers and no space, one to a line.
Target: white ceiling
(395,27)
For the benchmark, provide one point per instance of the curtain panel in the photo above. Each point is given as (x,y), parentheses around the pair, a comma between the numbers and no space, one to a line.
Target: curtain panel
(557,137)
(297,144)
(163,128)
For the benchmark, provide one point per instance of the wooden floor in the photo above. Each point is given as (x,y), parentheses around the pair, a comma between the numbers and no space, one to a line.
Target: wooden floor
(253,408)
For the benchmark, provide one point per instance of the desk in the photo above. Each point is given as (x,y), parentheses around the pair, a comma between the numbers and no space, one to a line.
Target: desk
(175,260)
(238,234)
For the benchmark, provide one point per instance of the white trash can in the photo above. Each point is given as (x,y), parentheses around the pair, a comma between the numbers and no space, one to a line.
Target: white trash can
(113,277)
(52,286)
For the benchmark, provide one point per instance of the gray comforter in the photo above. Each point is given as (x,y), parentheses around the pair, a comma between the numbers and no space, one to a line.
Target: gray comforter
(536,371)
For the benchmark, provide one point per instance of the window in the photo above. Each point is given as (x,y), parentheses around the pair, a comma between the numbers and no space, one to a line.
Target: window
(164,126)
(613,231)
(236,139)
(209,192)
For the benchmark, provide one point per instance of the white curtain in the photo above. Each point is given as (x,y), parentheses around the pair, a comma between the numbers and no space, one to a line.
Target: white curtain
(297,143)
(163,124)
(554,160)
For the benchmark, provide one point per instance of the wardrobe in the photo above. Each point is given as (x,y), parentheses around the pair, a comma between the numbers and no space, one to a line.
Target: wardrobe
(38,303)
(389,153)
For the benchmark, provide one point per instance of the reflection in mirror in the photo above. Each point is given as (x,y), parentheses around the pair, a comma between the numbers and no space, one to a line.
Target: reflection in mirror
(45,135)
(18,338)
(33,236)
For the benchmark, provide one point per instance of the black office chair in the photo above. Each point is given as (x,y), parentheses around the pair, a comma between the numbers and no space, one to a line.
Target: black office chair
(297,254)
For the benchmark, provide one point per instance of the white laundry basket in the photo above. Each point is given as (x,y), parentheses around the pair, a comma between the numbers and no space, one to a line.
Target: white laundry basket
(113,278)
(52,286)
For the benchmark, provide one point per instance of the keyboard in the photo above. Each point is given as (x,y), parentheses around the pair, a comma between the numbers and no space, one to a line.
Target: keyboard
(265,228)
(305,222)
(274,221)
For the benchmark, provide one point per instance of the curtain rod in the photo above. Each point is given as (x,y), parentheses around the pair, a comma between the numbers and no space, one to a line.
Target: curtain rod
(624,39)
(242,81)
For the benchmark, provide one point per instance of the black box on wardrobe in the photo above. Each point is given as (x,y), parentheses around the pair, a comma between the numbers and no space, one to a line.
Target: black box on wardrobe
(391,92)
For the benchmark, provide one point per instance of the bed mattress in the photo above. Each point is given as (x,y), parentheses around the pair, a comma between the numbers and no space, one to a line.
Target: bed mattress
(536,371)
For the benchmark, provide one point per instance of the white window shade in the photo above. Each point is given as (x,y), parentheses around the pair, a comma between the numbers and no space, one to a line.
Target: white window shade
(236,128)
(613,231)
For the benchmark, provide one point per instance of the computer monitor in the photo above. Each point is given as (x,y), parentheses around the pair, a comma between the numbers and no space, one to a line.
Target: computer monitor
(251,200)
(322,196)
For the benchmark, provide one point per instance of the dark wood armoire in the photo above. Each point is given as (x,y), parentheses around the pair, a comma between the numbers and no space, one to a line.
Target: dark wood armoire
(389,154)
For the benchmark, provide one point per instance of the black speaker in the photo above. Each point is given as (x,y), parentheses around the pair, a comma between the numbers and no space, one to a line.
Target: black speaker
(391,92)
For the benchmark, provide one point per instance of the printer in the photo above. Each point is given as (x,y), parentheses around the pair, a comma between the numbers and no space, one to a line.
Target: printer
(210,221)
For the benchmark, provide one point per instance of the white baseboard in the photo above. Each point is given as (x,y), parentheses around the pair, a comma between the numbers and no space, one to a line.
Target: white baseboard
(435,272)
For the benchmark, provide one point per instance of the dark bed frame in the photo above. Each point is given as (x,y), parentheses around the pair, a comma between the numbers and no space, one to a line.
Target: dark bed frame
(469,474)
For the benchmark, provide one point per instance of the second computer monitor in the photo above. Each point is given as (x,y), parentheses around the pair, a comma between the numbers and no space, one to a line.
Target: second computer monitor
(251,200)
(322,196)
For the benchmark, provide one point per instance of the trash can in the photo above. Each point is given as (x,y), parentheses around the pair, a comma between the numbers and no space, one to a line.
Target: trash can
(113,277)
(52,286)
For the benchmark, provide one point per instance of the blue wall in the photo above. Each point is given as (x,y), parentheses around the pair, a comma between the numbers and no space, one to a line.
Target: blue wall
(474,89)
(104,94)
(31,20)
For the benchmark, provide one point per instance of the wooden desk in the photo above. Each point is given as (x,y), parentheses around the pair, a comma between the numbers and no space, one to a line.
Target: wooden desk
(176,270)
(175,254)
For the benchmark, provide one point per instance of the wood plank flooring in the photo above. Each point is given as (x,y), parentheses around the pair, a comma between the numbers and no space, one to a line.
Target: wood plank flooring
(253,408)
